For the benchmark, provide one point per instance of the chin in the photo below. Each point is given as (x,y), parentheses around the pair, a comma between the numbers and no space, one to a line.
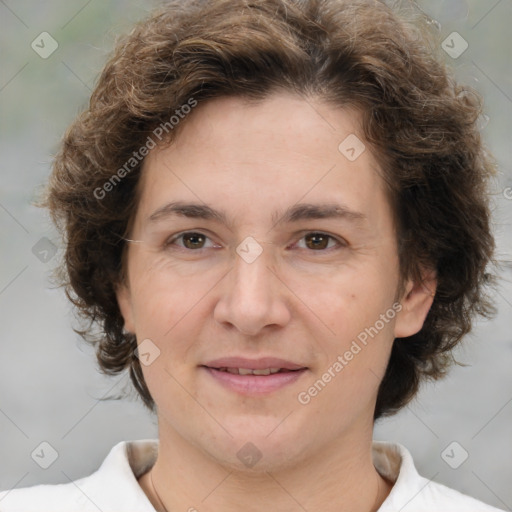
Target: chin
(256,450)
(255,459)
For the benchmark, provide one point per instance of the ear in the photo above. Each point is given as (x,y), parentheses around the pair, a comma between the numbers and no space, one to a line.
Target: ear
(124,300)
(416,301)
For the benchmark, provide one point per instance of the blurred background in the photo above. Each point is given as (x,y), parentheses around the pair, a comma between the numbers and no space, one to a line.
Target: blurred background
(459,430)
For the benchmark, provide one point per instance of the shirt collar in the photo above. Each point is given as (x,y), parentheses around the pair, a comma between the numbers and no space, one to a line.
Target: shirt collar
(128,460)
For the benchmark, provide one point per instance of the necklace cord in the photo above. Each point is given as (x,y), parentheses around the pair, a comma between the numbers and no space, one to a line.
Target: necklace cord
(165,509)
(155,491)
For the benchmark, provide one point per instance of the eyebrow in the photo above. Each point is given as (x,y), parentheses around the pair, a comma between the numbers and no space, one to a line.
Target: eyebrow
(295,213)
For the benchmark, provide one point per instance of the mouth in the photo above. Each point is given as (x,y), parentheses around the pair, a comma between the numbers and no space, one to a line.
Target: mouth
(250,371)
(255,377)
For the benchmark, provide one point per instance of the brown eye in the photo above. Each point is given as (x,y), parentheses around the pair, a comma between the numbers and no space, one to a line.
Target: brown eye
(317,241)
(193,240)
(188,242)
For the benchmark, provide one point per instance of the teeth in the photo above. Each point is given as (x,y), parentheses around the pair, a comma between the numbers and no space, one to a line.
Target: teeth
(266,371)
(248,371)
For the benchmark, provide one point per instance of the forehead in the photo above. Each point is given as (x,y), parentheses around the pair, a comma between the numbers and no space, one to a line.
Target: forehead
(255,158)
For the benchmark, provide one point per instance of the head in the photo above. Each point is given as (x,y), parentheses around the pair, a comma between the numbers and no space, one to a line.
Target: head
(250,109)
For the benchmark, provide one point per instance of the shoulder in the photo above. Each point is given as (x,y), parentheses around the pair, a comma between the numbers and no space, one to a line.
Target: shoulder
(438,495)
(413,493)
(113,487)
(40,497)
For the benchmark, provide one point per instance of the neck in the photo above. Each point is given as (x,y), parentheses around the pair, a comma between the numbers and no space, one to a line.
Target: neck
(338,478)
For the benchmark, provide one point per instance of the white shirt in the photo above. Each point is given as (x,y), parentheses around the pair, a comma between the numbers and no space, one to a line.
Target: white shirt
(114,487)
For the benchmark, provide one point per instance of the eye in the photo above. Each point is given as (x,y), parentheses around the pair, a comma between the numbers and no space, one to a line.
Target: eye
(190,240)
(318,241)
(195,241)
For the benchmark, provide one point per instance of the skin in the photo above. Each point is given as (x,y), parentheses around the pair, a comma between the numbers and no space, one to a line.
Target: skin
(295,301)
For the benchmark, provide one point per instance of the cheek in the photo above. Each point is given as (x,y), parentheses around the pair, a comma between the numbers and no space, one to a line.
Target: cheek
(164,329)
(359,309)
(347,301)
(161,297)
(355,357)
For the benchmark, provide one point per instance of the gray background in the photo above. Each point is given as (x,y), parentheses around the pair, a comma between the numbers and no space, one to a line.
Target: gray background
(49,384)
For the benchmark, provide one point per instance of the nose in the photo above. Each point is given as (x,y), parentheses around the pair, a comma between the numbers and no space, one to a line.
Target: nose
(252,297)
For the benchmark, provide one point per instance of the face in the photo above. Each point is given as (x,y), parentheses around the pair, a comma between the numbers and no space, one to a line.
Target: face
(288,260)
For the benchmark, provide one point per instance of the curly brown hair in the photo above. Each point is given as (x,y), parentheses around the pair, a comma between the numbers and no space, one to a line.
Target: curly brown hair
(381,60)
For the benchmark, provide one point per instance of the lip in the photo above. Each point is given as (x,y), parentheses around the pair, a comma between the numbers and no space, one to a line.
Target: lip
(254,384)
(253,364)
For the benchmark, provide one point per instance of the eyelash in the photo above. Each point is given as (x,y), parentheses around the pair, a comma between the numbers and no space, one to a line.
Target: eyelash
(341,243)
